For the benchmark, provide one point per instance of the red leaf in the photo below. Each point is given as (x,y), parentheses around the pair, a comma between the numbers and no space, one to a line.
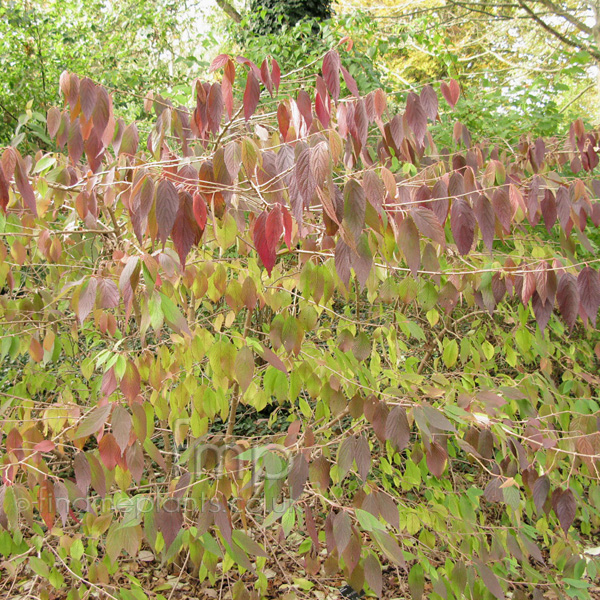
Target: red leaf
(428,224)
(24,186)
(397,429)
(219,62)
(4,188)
(200,211)
(121,426)
(362,456)
(101,114)
(486,219)
(549,212)
(169,520)
(462,222)
(542,310)
(259,236)
(408,240)
(373,573)
(251,95)
(342,530)
(305,177)
(565,507)
(246,61)
(490,580)
(417,119)
(94,421)
(167,206)
(298,476)
(322,110)
(44,446)
(503,208)
(342,261)
(135,460)
(83,473)
(360,130)
(374,189)
(130,383)
(588,284)
(186,231)
(87,97)
(273,360)
(436,458)
(429,102)
(108,294)
(568,298)
(275,74)
(350,83)
(304,106)
(331,73)
(265,76)
(109,450)
(362,259)
(214,108)
(130,140)
(53,119)
(354,209)
(451,92)
(227,87)
(541,487)
(87,298)
(47,502)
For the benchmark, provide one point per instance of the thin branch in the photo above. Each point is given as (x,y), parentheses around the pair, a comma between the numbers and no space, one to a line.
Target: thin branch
(563,38)
(229,10)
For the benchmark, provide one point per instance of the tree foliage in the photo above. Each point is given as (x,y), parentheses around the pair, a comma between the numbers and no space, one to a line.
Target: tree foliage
(423,316)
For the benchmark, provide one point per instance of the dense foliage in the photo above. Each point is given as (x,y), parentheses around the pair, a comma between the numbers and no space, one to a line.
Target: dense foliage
(410,326)
(269,16)
(39,39)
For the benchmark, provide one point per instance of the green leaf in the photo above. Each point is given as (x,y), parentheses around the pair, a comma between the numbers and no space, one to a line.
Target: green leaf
(450,354)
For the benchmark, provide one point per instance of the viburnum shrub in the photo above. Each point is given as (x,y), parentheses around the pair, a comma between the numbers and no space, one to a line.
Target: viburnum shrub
(283,342)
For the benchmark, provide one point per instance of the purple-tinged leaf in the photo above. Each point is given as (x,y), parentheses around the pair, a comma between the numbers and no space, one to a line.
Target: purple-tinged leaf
(568,298)
(588,283)
(565,507)
(167,206)
(490,580)
(24,186)
(298,476)
(331,73)
(121,426)
(350,83)
(342,261)
(417,119)
(428,224)
(429,102)
(541,310)
(362,456)
(354,209)
(342,530)
(436,458)
(451,92)
(549,211)
(87,97)
(397,429)
(408,240)
(462,222)
(486,219)
(93,421)
(251,95)
(540,491)
(169,520)
(373,573)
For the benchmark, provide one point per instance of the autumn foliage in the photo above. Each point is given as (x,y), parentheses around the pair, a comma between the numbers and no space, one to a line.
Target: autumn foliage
(419,308)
